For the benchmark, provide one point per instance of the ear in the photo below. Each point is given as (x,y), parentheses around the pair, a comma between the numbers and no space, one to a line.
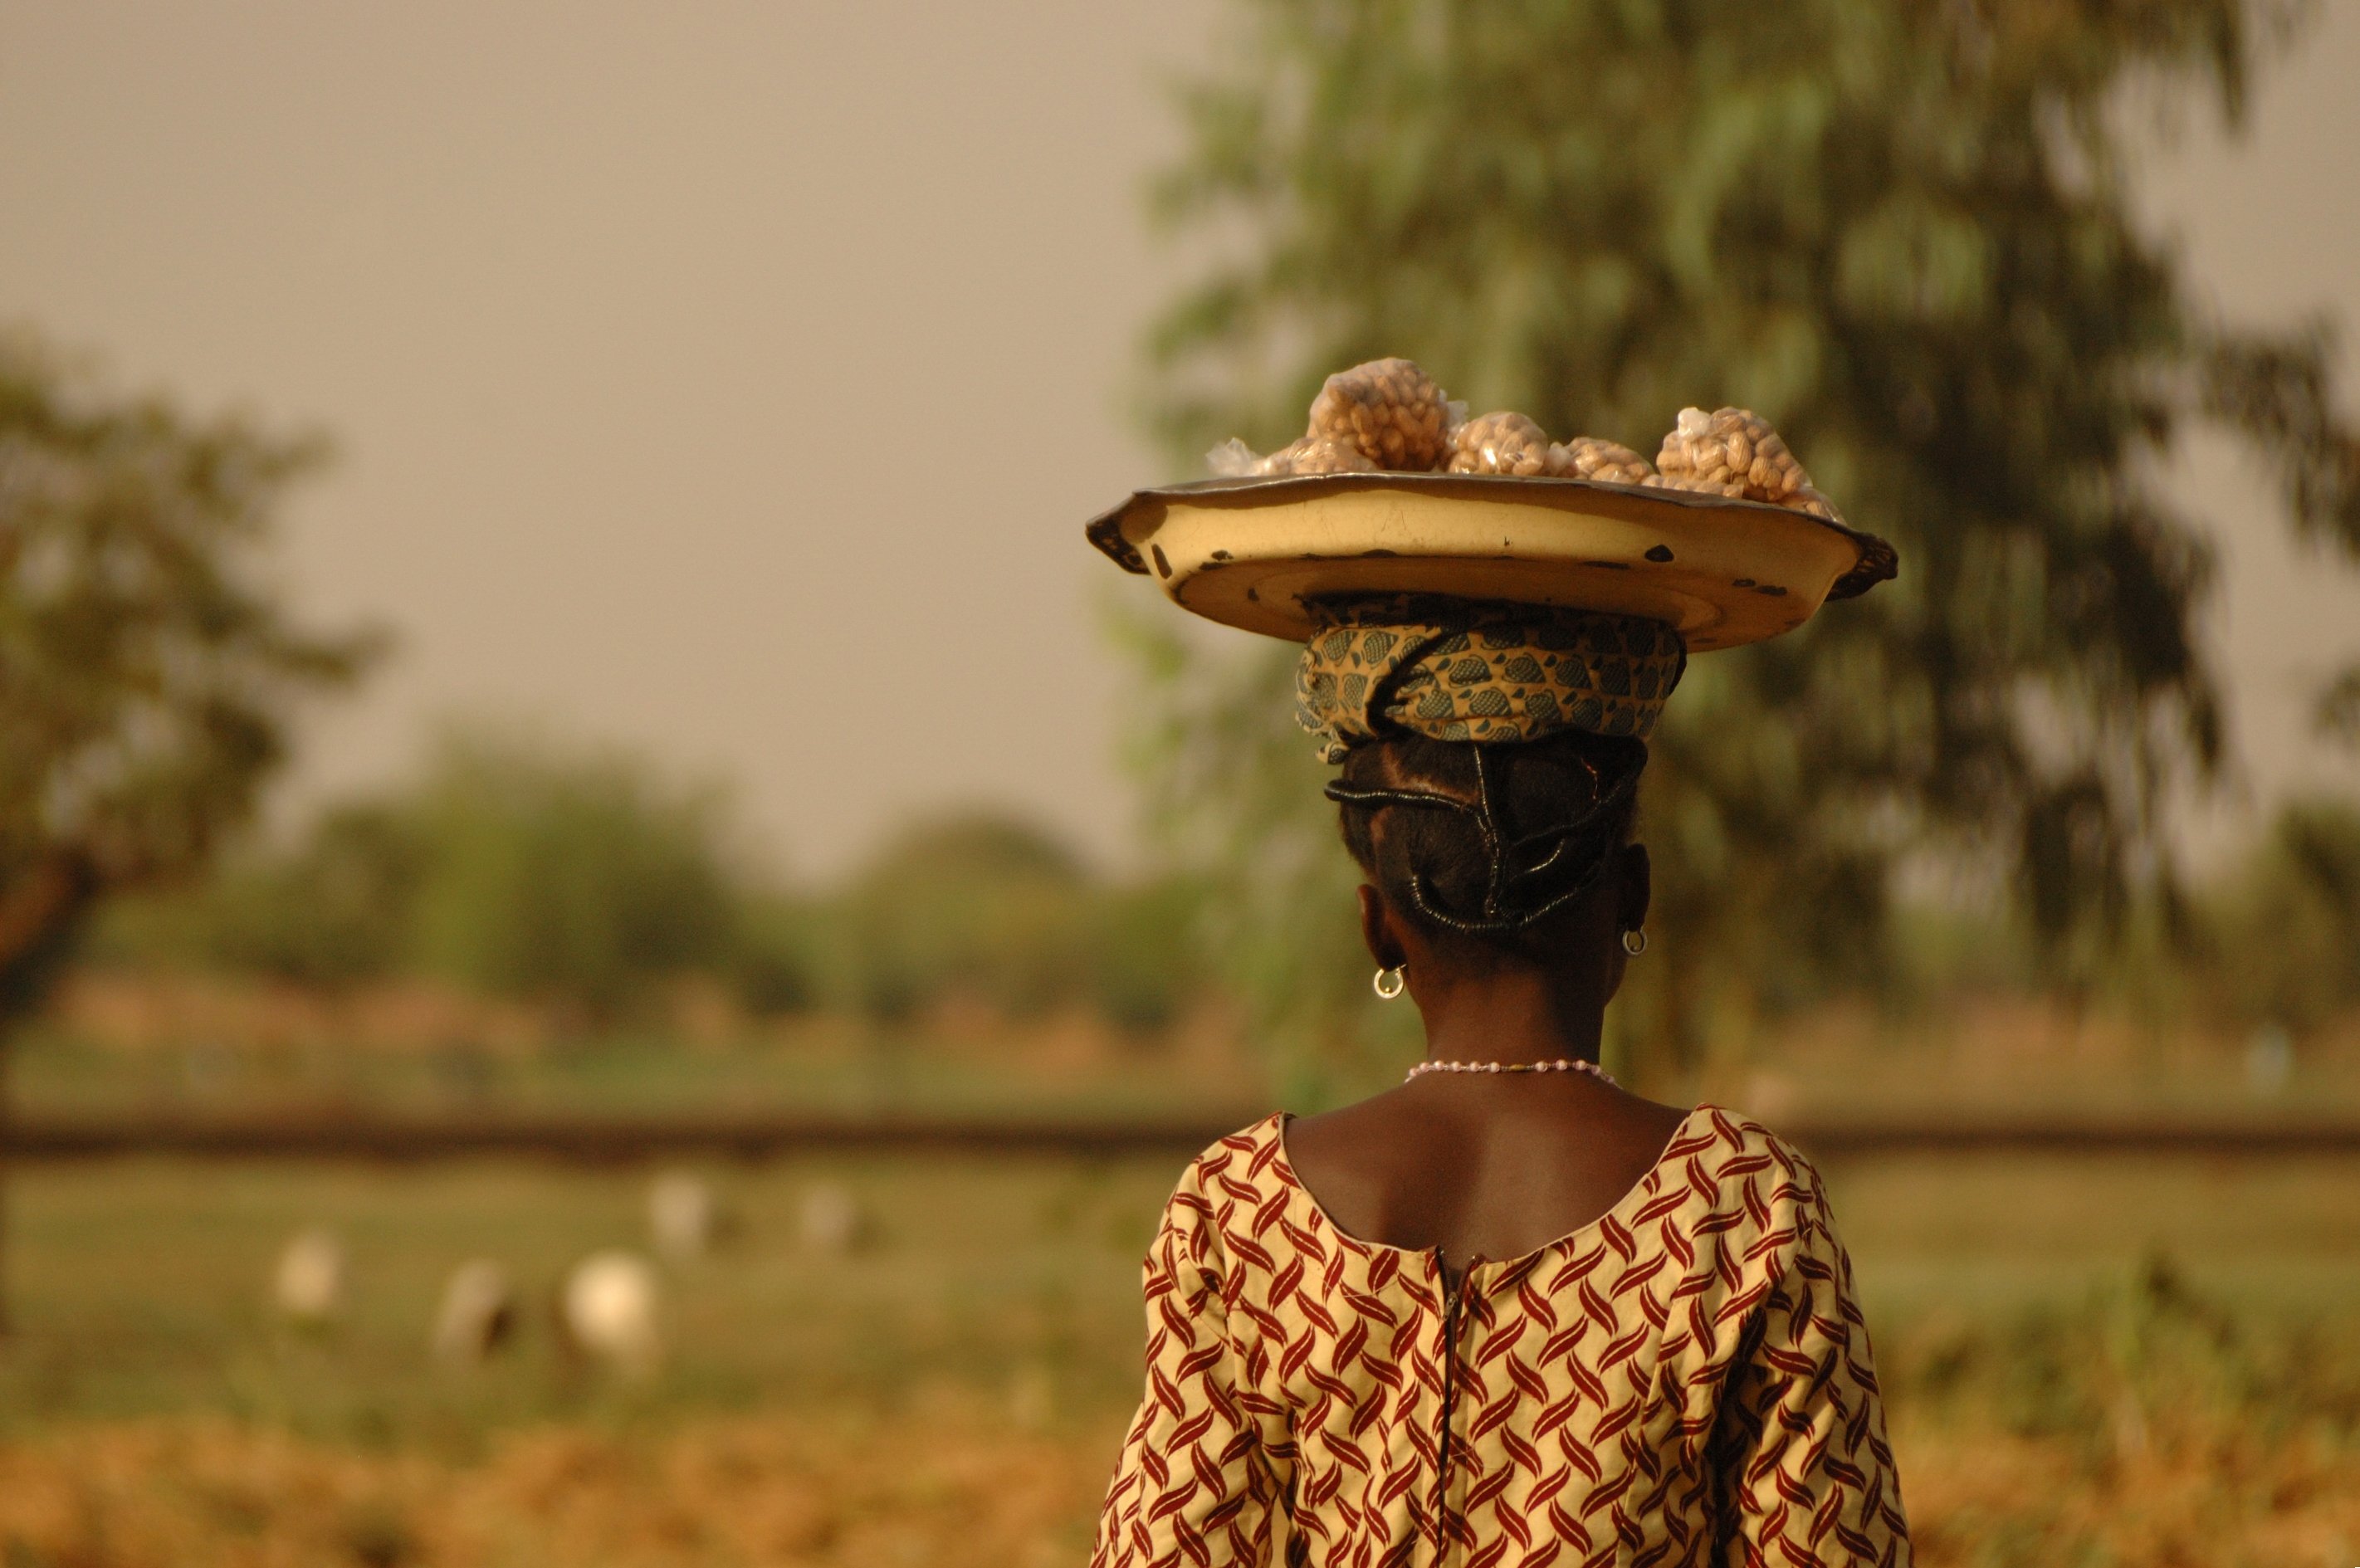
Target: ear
(1636,879)
(1379,931)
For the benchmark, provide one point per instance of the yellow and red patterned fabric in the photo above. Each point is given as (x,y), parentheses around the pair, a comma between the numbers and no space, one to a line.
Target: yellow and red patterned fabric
(1685,1381)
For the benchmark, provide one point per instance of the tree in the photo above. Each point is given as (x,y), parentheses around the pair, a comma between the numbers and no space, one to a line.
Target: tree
(331,909)
(1898,231)
(977,902)
(558,873)
(148,673)
(994,909)
(517,864)
(2285,928)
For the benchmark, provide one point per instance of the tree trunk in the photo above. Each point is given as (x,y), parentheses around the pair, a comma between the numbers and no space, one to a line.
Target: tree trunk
(7,1326)
(38,913)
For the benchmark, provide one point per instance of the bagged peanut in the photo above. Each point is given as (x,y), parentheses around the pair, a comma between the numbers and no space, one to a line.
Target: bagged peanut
(1701,487)
(1310,454)
(1498,443)
(1732,446)
(1388,410)
(1809,499)
(1591,457)
(1315,454)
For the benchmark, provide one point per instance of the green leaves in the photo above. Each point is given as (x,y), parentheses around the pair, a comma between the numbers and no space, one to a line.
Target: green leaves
(2274,391)
(1899,232)
(148,671)
(550,872)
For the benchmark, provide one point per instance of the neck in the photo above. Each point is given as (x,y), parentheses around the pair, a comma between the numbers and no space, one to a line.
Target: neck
(1513,1015)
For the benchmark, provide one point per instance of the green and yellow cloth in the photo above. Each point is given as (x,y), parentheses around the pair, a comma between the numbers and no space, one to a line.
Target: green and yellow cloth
(1465,671)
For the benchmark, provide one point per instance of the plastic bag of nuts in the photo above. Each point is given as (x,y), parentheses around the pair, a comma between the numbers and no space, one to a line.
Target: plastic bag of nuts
(1592,457)
(1234,460)
(1499,443)
(1734,452)
(1810,499)
(1701,487)
(1315,454)
(1311,455)
(1732,446)
(1388,410)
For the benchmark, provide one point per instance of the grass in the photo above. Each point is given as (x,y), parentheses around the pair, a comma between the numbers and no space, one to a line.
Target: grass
(2124,1361)
(114,1046)
(805,1065)
(2127,1360)
(141,1289)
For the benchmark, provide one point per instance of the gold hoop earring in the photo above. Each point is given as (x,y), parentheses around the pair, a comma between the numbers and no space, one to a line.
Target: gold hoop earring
(1635,941)
(1391,983)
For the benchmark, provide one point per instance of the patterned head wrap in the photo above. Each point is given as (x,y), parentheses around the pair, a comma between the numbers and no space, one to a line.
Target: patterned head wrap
(1459,669)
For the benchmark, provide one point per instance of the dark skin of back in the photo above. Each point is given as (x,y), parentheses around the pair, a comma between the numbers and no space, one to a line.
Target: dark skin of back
(1492,1166)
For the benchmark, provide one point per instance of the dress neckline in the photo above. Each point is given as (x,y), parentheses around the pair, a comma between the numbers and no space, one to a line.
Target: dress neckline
(1636,1196)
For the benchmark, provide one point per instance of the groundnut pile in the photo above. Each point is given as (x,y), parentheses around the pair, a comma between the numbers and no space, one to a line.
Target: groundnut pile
(1499,443)
(1388,410)
(1388,416)
(1593,457)
(1320,454)
(1734,452)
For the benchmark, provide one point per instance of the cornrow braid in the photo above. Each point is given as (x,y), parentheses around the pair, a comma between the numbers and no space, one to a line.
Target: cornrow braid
(1488,841)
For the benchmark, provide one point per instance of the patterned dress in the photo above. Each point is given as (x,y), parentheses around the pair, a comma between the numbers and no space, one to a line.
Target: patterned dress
(1684,1380)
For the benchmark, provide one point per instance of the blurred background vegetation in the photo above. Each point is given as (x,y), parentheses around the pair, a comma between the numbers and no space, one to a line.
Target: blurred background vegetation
(1903,235)
(584,885)
(1919,858)
(581,881)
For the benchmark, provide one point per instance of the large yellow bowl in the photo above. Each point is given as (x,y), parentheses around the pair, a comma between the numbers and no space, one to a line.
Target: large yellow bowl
(1253,552)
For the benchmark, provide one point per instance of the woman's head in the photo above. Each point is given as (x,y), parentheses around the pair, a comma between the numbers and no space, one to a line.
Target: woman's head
(1484,855)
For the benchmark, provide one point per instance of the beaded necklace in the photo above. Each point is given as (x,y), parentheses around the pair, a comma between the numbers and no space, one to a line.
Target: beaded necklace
(1560,1064)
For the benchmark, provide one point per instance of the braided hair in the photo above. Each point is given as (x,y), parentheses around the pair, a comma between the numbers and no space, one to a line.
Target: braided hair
(1486,840)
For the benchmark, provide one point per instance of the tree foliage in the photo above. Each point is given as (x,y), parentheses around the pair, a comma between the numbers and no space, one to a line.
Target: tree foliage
(1898,231)
(515,865)
(995,909)
(2285,927)
(560,873)
(147,668)
(977,902)
(525,865)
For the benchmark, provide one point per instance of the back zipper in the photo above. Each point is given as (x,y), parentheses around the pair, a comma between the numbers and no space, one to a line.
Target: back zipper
(1452,1297)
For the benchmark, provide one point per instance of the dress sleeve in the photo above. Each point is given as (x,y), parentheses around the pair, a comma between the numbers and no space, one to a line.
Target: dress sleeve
(1192,1487)
(1810,1474)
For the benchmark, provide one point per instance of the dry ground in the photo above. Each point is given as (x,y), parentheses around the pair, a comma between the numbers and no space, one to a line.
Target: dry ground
(961,1488)
(2130,1361)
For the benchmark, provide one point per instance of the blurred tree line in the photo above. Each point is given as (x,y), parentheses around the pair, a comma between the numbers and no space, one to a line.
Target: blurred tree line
(1902,231)
(567,875)
(148,679)
(150,676)
(571,875)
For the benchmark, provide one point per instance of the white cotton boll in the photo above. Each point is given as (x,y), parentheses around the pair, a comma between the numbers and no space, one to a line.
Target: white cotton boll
(478,1314)
(309,1284)
(608,1310)
(683,1217)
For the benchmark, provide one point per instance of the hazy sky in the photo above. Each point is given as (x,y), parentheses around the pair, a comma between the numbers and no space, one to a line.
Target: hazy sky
(733,379)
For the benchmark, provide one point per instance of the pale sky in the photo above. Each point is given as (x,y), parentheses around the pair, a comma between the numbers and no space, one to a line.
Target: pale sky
(731,380)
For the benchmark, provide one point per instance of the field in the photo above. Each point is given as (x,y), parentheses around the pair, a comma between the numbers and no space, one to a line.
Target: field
(2121,1361)
(2088,1360)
